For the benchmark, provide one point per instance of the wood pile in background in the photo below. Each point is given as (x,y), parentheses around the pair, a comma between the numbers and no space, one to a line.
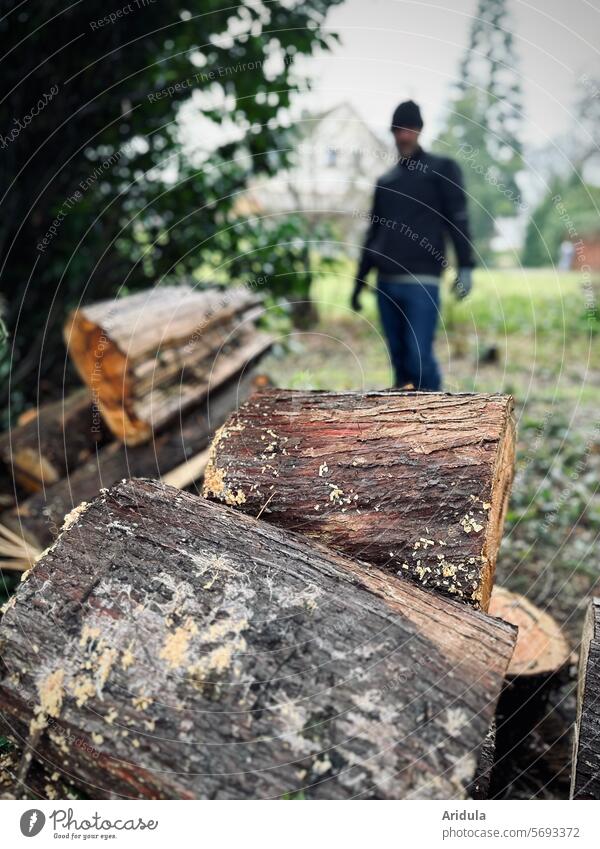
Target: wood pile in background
(38,518)
(163,369)
(149,356)
(50,442)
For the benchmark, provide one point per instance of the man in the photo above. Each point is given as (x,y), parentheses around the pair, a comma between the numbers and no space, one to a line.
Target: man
(417,204)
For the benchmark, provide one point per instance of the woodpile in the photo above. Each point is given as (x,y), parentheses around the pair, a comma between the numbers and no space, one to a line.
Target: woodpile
(38,518)
(163,370)
(323,623)
(414,482)
(201,653)
(149,356)
(50,442)
(585,774)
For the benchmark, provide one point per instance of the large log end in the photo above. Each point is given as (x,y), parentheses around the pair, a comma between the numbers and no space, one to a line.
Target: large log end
(415,482)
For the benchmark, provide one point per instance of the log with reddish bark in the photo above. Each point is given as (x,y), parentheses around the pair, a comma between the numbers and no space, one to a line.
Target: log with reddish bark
(415,482)
(585,775)
(52,441)
(201,653)
(38,519)
(151,355)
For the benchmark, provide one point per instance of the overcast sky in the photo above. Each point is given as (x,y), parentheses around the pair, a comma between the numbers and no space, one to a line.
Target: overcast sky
(394,49)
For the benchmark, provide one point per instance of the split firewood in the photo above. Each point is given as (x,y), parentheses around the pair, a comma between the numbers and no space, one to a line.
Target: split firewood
(151,355)
(585,775)
(201,653)
(416,483)
(49,445)
(37,520)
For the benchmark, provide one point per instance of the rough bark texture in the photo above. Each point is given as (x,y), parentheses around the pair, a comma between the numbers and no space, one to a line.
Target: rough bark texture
(585,782)
(200,653)
(38,518)
(480,787)
(150,355)
(416,483)
(53,441)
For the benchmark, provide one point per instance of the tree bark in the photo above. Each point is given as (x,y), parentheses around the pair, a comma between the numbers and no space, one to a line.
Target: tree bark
(53,441)
(38,518)
(416,483)
(480,787)
(150,355)
(585,780)
(196,652)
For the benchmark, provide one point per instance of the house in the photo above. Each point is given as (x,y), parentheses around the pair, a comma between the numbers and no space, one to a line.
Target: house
(335,166)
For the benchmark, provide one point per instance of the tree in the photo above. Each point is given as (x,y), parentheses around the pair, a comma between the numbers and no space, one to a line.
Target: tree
(483,124)
(97,192)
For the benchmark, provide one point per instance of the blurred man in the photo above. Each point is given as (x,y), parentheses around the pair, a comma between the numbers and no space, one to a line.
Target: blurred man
(417,204)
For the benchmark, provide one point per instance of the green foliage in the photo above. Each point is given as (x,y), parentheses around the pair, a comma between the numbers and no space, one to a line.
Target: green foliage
(483,124)
(99,191)
(569,210)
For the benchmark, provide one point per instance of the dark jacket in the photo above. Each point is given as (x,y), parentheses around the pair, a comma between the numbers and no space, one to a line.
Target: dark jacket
(418,203)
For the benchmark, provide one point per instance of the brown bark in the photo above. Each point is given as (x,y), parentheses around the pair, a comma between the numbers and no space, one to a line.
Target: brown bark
(51,444)
(148,356)
(416,483)
(38,518)
(200,653)
(585,776)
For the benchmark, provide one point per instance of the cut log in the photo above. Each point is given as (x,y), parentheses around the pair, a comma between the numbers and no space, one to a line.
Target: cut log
(201,653)
(540,664)
(585,775)
(149,356)
(414,482)
(51,444)
(542,650)
(38,519)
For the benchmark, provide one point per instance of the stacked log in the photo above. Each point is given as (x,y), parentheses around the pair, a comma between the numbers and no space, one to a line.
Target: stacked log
(539,665)
(585,775)
(38,518)
(149,356)
(202,653)
(414,482)
(50,442)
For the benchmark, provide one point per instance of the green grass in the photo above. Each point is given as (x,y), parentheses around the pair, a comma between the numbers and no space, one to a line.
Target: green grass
(539,301)
(536,319)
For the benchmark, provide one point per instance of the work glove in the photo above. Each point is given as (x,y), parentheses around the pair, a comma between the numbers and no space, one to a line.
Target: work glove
(355,300)
(463,283)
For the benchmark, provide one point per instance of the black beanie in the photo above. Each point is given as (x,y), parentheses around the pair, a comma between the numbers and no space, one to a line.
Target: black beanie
(408,115)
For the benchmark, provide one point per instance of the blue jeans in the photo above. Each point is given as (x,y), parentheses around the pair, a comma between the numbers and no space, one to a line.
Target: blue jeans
(409,314)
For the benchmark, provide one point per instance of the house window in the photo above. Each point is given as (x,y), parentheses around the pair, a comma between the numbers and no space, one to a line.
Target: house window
(331,160)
